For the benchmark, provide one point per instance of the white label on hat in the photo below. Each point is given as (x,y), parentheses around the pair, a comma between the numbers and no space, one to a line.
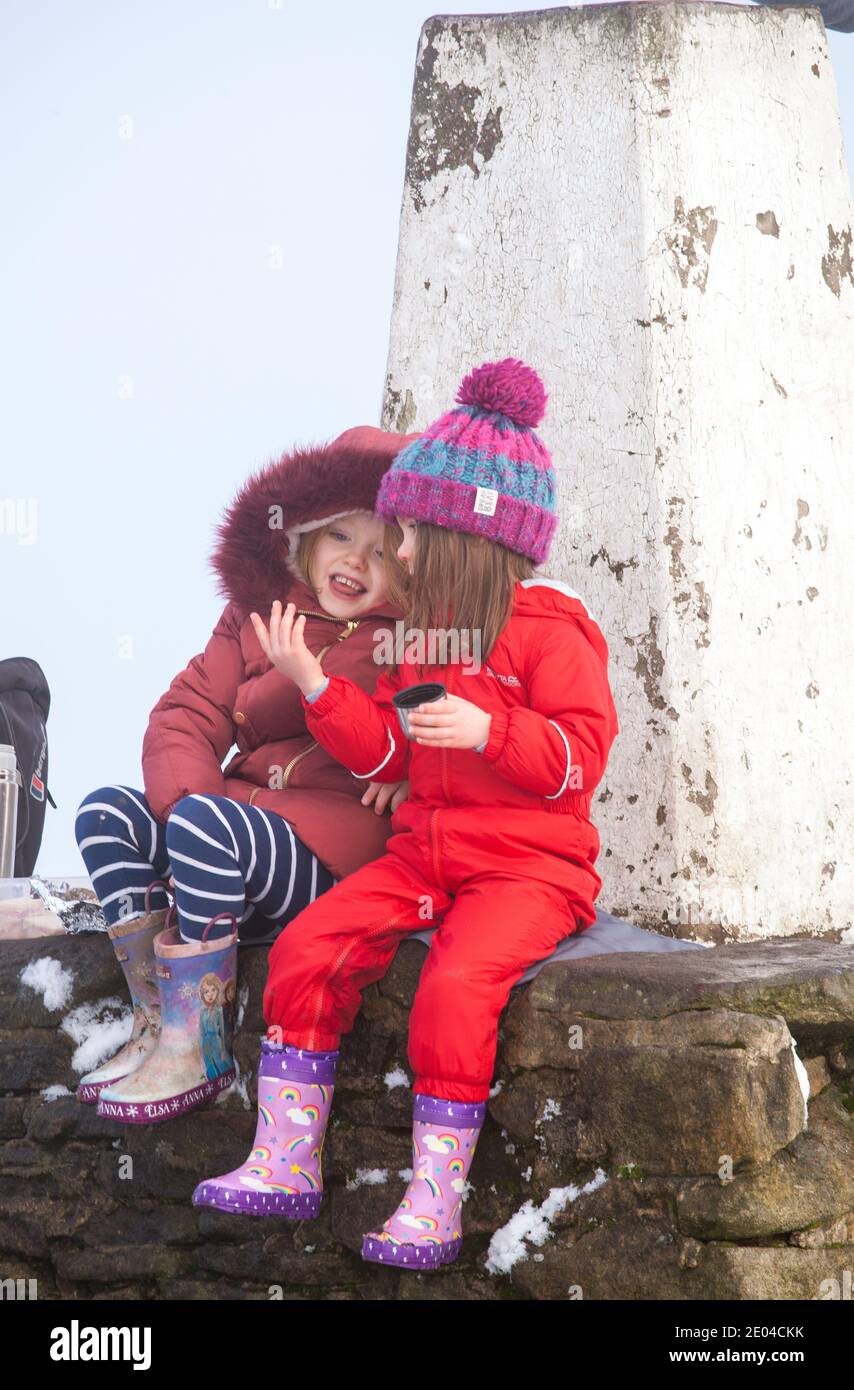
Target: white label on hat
(486,501)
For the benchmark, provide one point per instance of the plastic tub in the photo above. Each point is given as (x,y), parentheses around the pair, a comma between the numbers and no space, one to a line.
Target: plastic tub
(14,888)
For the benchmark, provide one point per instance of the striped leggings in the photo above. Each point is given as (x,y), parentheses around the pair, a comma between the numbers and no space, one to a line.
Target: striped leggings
(225,857)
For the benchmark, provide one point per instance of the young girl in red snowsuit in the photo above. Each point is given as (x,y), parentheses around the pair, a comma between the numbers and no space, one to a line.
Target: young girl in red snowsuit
(495,842)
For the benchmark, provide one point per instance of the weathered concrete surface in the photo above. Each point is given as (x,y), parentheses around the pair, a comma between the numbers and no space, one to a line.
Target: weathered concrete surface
(681,1100)
(650,204)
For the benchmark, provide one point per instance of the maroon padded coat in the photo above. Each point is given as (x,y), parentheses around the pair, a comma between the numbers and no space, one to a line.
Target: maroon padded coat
(230,693)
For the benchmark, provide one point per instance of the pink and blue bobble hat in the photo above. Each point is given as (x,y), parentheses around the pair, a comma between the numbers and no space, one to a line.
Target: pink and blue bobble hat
(480,467)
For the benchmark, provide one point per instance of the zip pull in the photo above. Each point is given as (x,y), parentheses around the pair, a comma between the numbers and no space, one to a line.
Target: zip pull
(352,623)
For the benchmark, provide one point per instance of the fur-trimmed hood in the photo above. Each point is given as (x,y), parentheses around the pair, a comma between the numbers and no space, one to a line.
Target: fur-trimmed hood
(254,556)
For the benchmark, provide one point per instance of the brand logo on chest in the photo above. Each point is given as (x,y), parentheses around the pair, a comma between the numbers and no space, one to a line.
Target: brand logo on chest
(499,676)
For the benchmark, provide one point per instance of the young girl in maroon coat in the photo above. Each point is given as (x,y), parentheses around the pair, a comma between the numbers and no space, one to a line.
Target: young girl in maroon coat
(248,846)
(495,837)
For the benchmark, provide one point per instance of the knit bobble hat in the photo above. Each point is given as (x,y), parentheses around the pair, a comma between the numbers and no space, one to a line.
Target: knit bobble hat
(480,467)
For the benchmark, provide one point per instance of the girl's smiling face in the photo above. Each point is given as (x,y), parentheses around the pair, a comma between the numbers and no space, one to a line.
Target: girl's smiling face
(347,571)
(406,550)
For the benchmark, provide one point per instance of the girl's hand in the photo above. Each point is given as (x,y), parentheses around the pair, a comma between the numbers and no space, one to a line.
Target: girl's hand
(285,647)
(385,793)
(450,723)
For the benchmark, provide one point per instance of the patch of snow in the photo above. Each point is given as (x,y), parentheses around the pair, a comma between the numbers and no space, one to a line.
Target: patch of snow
(804,1081)
(309,1249)
(99,1029)
(509,1148)
(242,1001)
(847,936)
(395,1078)
(54,1092)
(533,1223)
(497,1089)
(238,1087)
(526,1176)
(551,1110)
(367,1177)
(405,1173)
(48,977)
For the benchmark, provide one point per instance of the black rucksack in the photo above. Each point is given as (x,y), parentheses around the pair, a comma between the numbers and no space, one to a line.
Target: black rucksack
(24,706)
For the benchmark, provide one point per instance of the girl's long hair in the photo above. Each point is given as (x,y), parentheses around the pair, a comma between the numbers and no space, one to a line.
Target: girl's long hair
(460,581)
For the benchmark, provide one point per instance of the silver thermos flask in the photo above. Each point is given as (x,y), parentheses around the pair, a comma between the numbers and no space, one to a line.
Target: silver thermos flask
(10,781)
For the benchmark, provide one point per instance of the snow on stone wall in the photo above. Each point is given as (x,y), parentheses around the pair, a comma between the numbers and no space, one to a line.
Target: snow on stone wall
(650,204)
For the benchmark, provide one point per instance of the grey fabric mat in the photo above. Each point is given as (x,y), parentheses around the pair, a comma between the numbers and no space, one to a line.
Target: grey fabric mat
(606,934)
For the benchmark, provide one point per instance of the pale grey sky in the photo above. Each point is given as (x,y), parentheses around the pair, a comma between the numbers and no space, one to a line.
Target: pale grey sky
(142,265)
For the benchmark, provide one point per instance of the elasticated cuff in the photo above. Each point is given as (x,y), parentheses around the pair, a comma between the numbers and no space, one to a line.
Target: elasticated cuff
(437,1088)
(323,701)
(497,735)
(320,1042)
(316,694)
(456,1114)
(298,1064)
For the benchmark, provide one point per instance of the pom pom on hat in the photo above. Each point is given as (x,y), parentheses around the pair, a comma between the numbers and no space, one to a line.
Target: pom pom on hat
(508,387)
(481,467)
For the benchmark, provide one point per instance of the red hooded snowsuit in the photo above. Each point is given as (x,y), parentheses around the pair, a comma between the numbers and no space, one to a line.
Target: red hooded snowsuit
(496,847)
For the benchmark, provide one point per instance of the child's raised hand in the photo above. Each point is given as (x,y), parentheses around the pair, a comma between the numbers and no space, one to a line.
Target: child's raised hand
(284,645)
(451,722)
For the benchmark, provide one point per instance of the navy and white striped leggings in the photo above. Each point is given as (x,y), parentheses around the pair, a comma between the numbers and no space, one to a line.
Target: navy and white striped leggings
(225,856)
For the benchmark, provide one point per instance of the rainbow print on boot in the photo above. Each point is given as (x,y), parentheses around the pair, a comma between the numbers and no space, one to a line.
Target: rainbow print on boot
(426,1230)
(282,1175)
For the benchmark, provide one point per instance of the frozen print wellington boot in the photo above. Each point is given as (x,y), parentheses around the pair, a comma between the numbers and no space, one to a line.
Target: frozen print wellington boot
(192,1061)
(133,943)
(282,1175)
(426,1230)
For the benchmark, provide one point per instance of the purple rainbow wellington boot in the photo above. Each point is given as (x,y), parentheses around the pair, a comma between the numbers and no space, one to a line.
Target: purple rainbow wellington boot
(192,1061)
(426,1230)
(133,943)
(282,1175)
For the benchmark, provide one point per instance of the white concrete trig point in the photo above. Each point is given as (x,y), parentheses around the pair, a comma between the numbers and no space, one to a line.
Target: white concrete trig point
(650,204)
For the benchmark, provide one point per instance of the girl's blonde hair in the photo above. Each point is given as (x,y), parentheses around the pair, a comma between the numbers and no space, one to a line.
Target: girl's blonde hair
(461,581)
(395,570)
(207,982)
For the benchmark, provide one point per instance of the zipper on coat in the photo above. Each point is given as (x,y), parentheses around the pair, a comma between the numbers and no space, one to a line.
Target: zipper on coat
(434,839)
(446,774)
(293,762)
(443,752)
(352,624)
